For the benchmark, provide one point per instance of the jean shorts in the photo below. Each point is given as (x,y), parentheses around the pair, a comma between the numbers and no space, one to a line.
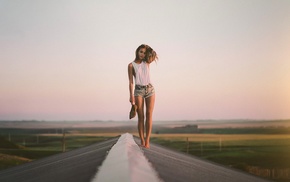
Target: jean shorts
(144,91)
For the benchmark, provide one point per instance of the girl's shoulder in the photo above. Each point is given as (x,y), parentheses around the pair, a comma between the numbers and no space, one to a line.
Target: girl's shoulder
(130,65)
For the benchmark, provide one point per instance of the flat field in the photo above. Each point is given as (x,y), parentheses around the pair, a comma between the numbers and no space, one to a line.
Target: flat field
(263,155)
(18,148)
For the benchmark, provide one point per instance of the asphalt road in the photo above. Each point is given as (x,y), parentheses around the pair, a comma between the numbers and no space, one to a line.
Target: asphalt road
(79,165)
(173,166)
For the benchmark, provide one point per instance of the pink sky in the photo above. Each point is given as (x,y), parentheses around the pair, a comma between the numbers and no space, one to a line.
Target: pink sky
(67,60)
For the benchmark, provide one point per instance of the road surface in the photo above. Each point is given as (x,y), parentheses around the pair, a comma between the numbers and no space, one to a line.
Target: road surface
(79,165)
(173,166)
(82,165)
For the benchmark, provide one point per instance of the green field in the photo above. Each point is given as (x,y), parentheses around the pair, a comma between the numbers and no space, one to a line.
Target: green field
(19,148)
(265,155)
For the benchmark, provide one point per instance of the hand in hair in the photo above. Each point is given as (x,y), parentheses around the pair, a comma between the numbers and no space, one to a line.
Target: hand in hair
(151,56)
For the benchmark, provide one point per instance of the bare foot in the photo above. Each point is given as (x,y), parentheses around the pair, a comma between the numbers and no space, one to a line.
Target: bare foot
(143,143)
(147,145)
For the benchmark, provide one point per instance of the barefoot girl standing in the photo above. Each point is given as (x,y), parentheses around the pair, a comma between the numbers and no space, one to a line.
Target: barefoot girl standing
(144,91)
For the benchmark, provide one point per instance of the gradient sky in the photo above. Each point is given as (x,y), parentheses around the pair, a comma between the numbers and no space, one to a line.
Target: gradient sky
(218,59)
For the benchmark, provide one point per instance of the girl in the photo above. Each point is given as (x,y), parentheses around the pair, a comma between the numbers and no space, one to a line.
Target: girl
(144,90)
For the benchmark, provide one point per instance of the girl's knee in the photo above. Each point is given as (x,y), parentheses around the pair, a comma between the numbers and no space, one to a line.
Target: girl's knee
(148,114)
(141,118)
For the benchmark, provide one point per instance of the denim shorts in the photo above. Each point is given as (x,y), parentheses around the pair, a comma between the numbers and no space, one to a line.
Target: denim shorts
(144,91)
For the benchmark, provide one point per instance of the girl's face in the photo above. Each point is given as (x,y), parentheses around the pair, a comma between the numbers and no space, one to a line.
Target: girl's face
(141,53)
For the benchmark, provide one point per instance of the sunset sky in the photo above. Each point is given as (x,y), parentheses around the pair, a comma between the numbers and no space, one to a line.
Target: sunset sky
(218,59)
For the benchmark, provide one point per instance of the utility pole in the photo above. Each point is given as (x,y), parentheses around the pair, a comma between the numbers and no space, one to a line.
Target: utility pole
(187,145)
(201,148)
(220,144)
(63,140)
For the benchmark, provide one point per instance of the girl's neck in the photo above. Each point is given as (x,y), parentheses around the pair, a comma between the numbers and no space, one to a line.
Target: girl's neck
(138,61)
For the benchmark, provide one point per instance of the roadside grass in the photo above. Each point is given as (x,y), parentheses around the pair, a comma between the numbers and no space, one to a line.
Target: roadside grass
(30,154)
(10,161)
(34,147)
(235,151)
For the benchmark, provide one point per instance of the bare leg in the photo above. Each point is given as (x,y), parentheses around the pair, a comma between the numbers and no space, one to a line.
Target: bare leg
(150,101)
(140,111)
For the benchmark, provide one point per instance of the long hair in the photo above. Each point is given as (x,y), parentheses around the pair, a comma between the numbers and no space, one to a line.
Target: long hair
(150,54)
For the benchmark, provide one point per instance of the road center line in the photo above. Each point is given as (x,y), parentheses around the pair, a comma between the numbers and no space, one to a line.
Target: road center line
(126,162)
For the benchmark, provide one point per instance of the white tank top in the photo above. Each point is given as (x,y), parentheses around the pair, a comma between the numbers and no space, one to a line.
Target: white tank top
(142,73)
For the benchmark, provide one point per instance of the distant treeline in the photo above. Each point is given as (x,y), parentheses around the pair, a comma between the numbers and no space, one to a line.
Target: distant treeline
(158,130)
(269,130)
(22,131)
(192,129)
